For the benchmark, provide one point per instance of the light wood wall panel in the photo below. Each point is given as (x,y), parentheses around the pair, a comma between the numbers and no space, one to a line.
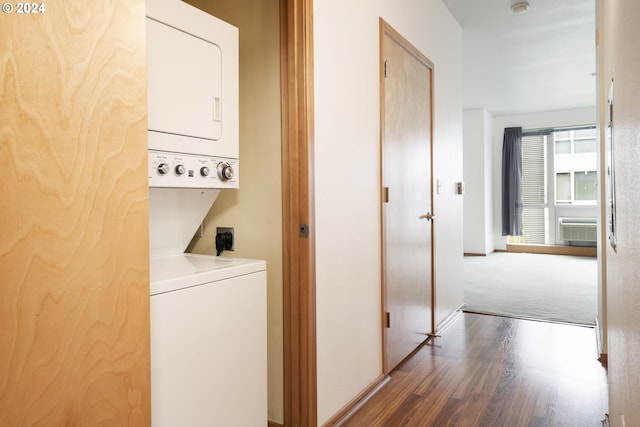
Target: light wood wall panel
(74,293)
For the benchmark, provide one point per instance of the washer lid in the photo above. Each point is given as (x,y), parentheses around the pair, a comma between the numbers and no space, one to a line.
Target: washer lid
(179,271)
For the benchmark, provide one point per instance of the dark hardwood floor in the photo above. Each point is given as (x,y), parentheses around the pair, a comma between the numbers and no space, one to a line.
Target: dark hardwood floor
(497,372)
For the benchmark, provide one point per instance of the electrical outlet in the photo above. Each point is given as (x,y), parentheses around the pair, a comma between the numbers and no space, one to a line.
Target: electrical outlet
(229,243)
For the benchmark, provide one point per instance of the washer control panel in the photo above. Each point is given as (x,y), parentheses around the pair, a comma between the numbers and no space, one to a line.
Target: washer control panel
(178,170)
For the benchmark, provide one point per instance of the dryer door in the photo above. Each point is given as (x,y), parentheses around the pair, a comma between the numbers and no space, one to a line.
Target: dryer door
(185,83)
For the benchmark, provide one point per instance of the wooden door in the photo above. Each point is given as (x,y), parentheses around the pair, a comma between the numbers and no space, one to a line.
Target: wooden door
(407,201)
(74,266)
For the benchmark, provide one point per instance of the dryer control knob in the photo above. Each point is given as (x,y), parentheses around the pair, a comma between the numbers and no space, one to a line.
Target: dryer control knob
(163,168)
(204,171)
(225,171)
(180,170)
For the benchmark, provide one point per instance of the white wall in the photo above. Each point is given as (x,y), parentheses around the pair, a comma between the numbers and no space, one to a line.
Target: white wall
(478,170)
(579,116)
(622,63)
(347,177)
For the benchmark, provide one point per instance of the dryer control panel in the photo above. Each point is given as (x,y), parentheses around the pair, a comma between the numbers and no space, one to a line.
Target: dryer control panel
(177,170)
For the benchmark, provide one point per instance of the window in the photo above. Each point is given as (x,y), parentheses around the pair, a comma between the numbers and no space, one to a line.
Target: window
(563,187)
(575,141)
(558,173)
(585,185)
(575,187)
(575,166)
(585,141)
(563,142)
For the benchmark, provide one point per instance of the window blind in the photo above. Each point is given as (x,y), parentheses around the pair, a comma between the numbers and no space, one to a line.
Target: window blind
(534,185)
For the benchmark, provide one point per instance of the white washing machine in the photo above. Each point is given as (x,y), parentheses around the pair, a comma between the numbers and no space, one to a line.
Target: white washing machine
(208,341)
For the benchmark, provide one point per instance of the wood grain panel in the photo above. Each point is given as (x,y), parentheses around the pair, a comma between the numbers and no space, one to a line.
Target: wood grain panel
(74,300)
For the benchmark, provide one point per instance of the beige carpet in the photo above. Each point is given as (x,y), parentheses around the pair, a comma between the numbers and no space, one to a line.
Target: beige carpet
(555,288)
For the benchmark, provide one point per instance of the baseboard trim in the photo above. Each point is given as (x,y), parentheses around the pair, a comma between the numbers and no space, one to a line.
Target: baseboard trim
(553,249)
(448,321)
(474,254)
(274,424)
(603,358)
(352,407)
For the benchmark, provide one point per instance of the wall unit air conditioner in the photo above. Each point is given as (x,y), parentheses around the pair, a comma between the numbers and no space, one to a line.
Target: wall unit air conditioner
(577,230)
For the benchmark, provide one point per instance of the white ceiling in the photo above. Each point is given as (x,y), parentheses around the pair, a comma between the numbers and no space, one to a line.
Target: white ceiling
(542,60)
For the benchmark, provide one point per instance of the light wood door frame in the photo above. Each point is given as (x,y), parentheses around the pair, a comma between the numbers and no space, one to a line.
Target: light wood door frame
(299,275)
(388,30)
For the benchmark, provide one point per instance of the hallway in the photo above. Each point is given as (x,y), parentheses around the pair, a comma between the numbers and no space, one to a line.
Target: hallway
(498,372)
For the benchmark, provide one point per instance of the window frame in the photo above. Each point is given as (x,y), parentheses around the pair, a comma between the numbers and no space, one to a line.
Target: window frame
(573,200)
(573,162)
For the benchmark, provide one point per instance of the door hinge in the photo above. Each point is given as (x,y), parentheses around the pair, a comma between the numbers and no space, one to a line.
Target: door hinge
(385,194)
(385,68)
(387,319)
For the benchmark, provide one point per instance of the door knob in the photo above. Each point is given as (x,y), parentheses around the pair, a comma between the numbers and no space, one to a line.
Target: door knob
(428,216)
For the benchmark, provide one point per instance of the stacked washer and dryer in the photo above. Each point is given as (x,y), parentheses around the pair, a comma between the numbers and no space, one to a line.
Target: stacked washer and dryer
(208,313)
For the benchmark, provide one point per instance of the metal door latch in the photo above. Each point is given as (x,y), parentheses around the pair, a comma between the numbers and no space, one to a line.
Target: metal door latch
(430,216)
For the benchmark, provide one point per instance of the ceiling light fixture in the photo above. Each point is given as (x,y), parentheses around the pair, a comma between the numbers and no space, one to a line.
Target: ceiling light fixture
(520,7)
